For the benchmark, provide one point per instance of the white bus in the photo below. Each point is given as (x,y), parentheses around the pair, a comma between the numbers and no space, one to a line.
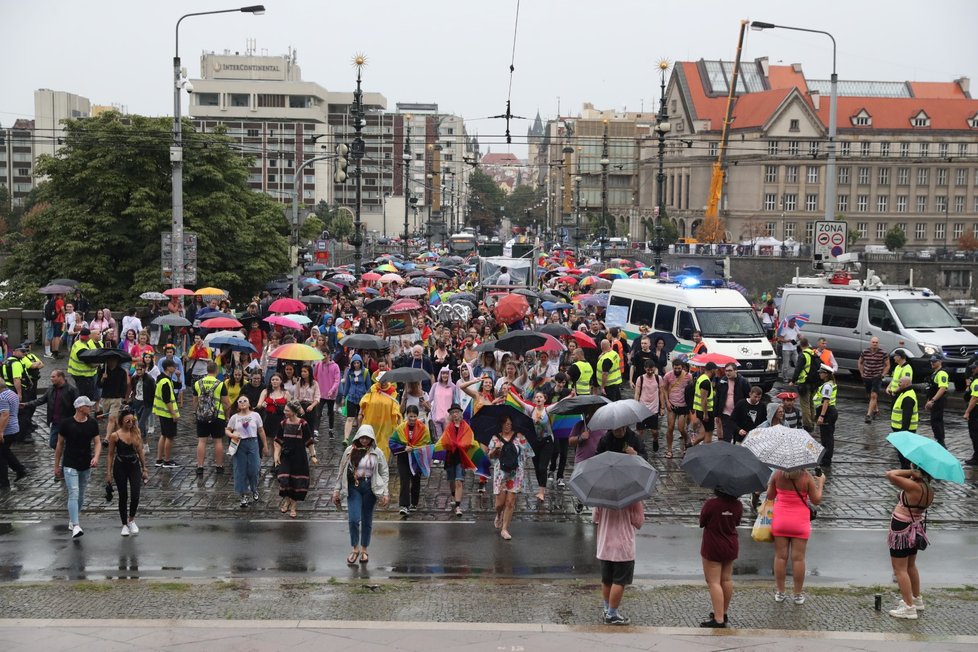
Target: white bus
(727,321)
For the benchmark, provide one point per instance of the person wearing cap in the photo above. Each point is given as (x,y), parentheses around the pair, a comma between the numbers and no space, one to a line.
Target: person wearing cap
(937,389)
(971,412)
(827,414)
(74,459)
(904,414)
(456,440)
(82,373)
(703,393)
(15,374)
(873,364)
(901,370)
(363,480)
(179,376)
(790,414)
(380,409)
(33,364)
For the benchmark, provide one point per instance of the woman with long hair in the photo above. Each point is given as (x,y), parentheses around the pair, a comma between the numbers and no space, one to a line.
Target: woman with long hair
(129,342)
(508,451)
(247,433)
(792,491)
(363,479)
(272,403)
(293,449)
(235,383)
(126,464)
(307,394)
(908,535)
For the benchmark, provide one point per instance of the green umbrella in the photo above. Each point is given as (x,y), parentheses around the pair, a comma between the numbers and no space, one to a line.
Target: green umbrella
(928,455)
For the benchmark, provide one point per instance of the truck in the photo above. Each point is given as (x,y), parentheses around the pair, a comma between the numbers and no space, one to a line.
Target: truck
(522,272)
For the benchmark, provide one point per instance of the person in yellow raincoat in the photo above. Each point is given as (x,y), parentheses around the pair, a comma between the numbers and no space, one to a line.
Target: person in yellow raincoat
(379,409)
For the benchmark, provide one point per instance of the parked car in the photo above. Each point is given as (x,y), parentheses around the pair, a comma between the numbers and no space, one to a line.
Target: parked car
(910,255)
(925,254)
(959,255)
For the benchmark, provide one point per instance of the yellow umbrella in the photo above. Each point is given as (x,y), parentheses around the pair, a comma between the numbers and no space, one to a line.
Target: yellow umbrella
(210,292)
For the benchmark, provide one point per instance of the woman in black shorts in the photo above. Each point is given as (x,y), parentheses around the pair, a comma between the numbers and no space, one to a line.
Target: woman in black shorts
(908,535)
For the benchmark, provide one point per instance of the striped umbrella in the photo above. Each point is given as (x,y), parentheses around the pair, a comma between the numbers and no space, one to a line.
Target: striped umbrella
(801,318)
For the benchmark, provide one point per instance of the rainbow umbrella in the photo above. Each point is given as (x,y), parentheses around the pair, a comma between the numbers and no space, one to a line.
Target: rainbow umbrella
(298,352)
(613,273)
(386,267)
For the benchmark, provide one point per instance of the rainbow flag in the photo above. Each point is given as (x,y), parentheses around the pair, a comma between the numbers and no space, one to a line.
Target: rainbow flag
(474,458)
(563,424)
(420,460)
(434,298)
(513,400)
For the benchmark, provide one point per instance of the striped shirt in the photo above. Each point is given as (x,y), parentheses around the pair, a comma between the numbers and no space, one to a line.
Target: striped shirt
(873,362)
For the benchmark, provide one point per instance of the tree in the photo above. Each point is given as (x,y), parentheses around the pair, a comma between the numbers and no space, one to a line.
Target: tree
(525,206)
(486,201)
(753,229)
(100,216)
(968,242)
(340,225)
(312,228)
(895,239)
(711,231)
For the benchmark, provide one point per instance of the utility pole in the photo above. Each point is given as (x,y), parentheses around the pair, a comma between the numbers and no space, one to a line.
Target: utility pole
(577,215)
(356,153)
(602,231)
(661,129)
(407,177)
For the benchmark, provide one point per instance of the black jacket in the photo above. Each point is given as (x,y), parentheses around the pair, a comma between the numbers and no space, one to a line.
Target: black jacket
(741,389)
(149,389)
(610,443)
(67,396)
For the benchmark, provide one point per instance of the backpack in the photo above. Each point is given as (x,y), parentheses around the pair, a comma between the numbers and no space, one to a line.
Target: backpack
(49,312)
(206,403)
(509,456)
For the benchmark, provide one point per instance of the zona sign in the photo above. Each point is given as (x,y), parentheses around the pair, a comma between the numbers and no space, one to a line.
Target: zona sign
(830,240)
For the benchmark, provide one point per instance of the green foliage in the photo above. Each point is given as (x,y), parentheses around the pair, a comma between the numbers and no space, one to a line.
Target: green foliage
(99,217)
(895,239)
(523,199)
(311,228)
(486,201)
(340,225)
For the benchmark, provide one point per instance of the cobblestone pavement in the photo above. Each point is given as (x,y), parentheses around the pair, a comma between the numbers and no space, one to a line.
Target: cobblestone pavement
(856,493)
(948,613)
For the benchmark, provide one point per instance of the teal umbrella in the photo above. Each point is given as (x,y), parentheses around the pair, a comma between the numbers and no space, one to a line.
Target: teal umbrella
(928,455)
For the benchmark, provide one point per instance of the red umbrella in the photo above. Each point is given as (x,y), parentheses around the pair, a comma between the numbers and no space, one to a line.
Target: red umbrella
(717,358)
(282,320)
(584,340)
(553,345)
(220,322)
(287,305)
(567,279)
(511,308)
(404,304)
(178,292)
(370,277)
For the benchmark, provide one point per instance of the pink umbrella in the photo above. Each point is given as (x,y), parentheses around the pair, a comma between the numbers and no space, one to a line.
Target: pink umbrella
(391,278)
(405,304)
(287,305)
(282,320)
(178,292)
(220,322)
(553,345)
(370,277)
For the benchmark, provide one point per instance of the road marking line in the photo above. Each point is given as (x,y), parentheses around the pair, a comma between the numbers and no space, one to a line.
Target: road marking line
(376,522)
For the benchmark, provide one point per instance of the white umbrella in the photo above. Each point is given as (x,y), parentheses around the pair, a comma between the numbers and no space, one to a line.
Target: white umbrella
(619,414)
(780,447)
(299,319)
(210,336)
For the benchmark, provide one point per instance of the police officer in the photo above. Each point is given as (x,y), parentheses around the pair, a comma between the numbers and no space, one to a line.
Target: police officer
(580,374)
(805,378)
(33,364)
(971,412)
(901,369)
(703,393)
(609,372)
(15,372)
(825,409)
(904,415)
(937,397)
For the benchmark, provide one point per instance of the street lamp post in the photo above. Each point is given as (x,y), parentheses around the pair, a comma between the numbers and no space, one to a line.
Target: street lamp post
(176,149)
(357,151)
(577,216)
(830,182)
(386,197)
(604,187)
(294,244)
(407,177)
(662,127)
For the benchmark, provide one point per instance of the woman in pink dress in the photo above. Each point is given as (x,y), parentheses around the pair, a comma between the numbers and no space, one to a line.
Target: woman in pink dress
(791,525)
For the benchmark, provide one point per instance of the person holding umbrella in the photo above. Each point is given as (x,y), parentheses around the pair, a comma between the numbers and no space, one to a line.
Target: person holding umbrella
(508,451)
(792,491)
(908,535)
(616,552)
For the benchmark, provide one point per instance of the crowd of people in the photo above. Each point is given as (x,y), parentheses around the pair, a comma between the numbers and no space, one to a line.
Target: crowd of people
(253,402)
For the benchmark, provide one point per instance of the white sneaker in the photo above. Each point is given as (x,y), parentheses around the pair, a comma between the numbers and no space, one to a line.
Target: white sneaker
(779,596)
(904,611)
(125,531)
(798,598)
(918,602)
(76,532)
(132,528)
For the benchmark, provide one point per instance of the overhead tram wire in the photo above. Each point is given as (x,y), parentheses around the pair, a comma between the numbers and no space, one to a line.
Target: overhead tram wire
(508,116)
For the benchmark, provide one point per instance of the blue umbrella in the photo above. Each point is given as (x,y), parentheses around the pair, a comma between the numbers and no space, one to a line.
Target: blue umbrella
(550,306)
(236,343)
(371,290)
(928,455)
(596,301)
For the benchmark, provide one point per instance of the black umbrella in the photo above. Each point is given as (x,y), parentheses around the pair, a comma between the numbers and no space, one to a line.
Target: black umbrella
(312,299)
(487,346)
(488,421)
(377,306)
(171,320)
(579,404)
(519,342)
(546,296)
(434,273)
(64,281)
(330,285)
(734,470)
(419,282)
(462,296)
(669,339)
(557,330)
(364,341)
(406,375)
(56,289)
(98,356)
(316,267)
(562,294)
(527,293)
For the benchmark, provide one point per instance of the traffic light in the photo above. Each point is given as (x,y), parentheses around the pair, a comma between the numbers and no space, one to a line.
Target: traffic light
(341,163)
(722,267)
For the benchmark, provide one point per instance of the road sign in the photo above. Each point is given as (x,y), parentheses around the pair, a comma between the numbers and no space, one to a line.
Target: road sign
(189,257)
(830,239)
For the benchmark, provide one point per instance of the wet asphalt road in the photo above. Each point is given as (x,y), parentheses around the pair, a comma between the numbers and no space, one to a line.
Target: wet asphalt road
(167,549)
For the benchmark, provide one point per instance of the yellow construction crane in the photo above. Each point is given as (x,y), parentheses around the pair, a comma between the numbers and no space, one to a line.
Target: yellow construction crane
(712,229)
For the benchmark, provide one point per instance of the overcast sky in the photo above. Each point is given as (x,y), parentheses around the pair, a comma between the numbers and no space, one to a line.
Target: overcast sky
(457,52)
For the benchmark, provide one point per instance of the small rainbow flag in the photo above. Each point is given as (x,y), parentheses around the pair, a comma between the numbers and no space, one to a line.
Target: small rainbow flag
(434,298)
(420,460)
(513,400)
(563,424)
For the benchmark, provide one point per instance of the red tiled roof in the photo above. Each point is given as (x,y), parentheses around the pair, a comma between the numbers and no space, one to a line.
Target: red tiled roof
(500,159)
(937,90)
(895,113)
(23,123)
(786,77)
(755,109)
(704,108)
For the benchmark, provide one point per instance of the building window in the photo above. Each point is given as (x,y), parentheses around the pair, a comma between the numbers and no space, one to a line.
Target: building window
(921,203)
(957,279)
(962,149)
(862,203)
(811,202)
(812,174)
(920,120)
(271,178)
(940,203)
(271,101)
(772,228)
(772,148)
(253,133)
(942,176)
(881,230)
(976,204)
(242,100)
(959,204)
(864,176)
(272,163)
(791,174)
(884,150)
(904,150)
(845,148)
(925,149)
(920,232)
(903,176)
(790,201)
(770,173)
(939,231)
(922,176)
(789,230)
(864,149)
(974,230)
(884,177)
(902,226)
(862,228)
(813,149)
(901,204)
(843,203)
(809,231)
(862,120)
(794,125)
(958,230)
(793,148)
(961,177)
(770,201)
(882,203)
(942,150)
(714,149)
(844,175)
